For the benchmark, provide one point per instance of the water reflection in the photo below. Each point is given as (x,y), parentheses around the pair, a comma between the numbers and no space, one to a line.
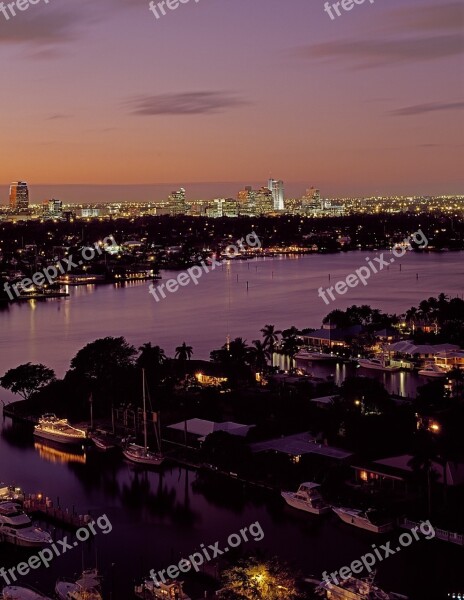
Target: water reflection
(56,455)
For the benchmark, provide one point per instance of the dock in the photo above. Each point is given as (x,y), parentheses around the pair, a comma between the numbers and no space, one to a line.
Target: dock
(42,507)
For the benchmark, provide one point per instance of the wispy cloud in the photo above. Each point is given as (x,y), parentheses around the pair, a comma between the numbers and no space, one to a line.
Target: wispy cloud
(187,103)
(444,16)
(421,109)
(378,52)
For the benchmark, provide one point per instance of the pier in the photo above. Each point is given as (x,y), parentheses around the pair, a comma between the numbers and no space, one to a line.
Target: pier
(40,506)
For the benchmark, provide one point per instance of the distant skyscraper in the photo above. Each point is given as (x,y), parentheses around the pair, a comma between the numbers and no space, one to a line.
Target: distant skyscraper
(19,196)
(264,202)
(277,189)
(177,202)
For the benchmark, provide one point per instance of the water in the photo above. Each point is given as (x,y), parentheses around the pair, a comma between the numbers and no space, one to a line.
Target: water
(160,517)
(281,291)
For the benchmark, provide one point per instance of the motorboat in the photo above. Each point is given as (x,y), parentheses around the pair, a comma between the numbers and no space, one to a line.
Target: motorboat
(141,454)
(432,370)
(305,355)
(17,528)
(149,590)
(362,519)
(307,498)
(87,587)
(103,441)
(16,592)
(378,364)
(50,427)
(11,492)
(356,589)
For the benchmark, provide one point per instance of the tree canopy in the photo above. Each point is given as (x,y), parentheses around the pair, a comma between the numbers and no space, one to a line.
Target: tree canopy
(27,379)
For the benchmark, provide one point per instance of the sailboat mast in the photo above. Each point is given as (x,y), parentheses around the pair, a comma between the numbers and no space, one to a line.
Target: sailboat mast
(145,435)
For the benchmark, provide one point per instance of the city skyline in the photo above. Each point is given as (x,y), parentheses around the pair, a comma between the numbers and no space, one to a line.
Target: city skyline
(362,105)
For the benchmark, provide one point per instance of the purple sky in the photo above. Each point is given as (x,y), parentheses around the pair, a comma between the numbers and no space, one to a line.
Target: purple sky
(100,92)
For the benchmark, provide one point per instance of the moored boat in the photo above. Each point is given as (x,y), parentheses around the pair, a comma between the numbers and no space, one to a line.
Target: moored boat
(148,590)
(50,427)
(87,587)
(305,355)
(356,589)
(141,454)
(432,370)
(11,492)
(362,519)
(17,528)
(16,592)
(378,364)
(307,498)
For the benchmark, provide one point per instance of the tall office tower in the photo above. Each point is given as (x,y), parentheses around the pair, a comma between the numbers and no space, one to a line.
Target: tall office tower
(177,203)
(19,196)
(277,189)
(312,198)
(264,201)
(52,209)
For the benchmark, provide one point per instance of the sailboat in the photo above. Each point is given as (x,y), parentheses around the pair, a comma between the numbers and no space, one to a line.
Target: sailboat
(141,454)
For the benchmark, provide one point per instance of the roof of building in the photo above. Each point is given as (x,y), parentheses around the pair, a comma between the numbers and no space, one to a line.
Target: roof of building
(335,335)
(202,427)
(408,347)
(395,466)
(299,444)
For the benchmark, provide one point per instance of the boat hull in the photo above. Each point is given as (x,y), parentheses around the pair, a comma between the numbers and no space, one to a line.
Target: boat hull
(60,439)
(374,367)
(153,461)
(14,592)
(290,499)
(361,522)
(431,374)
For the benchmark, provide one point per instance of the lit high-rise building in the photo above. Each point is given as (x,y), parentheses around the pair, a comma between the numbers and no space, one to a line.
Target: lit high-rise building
(177,202)
(19,196)
(277,189)
(264,201)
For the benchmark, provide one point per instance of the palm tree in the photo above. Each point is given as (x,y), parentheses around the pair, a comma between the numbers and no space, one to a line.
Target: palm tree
(184,352)
(151,357)
(259,355)
(270,336)
(290,341)
(270,339)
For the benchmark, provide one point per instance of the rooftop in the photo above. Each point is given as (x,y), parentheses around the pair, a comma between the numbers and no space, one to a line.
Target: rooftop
(300,444)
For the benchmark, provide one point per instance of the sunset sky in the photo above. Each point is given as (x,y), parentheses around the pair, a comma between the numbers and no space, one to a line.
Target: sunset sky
(100,92)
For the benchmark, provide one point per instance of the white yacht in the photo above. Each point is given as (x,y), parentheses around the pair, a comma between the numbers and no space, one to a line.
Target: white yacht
(362,519)
(307,498)
(15,592)
(11,492)
(305,355)
(148,590)
(16,528)
(432,370)
(377,364)
(58,430)
(85,588)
